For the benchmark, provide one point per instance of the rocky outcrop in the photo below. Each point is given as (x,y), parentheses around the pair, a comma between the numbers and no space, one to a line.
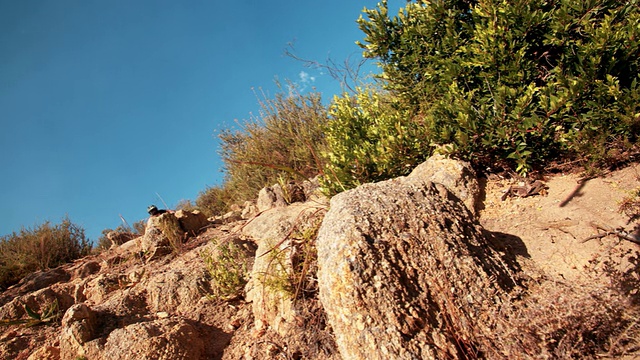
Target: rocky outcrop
(403,269)
(79,326)
(192,222)
(166,232)
(269,288)
(118,237)
(162,233)
(457,176)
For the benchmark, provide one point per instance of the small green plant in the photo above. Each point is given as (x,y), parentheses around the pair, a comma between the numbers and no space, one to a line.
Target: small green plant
(292,270)
(50,314)
(227,268)
(279,276)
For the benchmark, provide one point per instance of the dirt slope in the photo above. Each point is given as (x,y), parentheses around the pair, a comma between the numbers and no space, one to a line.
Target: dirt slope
(550,229)
(546,231)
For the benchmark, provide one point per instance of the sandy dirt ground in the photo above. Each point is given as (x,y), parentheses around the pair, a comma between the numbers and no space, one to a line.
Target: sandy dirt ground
(550,229)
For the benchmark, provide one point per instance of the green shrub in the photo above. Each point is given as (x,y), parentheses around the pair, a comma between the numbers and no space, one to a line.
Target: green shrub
(369,138)
(43,247)
(524,81)
(227,267)
(284,140)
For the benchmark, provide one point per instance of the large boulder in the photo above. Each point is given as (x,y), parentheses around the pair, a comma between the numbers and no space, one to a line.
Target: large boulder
(457,176)
(79,326)
(405,272)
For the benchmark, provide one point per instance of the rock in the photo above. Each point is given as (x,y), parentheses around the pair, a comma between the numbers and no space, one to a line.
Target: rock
(162,339)
(86,269)
(175,290)
(162,234)
(41,279)
(78,328)
(312,191)
(457,176)
(162,315)
(403,270)
(249,210)
(267,230)
(269,289)
(45,353)
(270,197)
(192,222)
(131,247)
(97,290)
(118,237)
(231,216)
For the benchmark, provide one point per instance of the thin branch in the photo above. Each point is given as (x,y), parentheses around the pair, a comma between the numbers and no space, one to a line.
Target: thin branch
(347,73)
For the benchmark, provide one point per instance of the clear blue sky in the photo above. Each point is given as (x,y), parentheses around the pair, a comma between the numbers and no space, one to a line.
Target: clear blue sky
(105,105)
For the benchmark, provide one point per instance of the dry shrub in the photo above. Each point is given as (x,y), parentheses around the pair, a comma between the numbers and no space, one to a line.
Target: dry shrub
(630,205)
(285,139)
(560,321)
(215,200)
(39,248)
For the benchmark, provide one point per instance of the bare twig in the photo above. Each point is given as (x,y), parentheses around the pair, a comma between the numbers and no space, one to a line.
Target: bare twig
(347,73)
(620,233)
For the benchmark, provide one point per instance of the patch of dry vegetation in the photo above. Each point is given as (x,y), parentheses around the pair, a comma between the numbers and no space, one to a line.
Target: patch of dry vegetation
(40,248)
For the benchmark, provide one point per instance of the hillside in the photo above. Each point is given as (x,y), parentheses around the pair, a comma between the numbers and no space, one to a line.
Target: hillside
(123,303)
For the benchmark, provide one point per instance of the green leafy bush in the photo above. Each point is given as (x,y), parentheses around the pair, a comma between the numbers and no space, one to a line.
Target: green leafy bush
(43,247)
(369,139)
(521,81)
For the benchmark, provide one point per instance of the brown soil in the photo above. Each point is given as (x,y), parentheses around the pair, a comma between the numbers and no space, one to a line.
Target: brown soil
(550,229)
